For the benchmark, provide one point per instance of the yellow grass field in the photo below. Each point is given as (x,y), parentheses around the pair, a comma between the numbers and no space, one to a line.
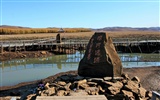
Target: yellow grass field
(84,35)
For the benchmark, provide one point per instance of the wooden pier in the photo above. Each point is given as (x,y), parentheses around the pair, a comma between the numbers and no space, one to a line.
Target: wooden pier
(68,45)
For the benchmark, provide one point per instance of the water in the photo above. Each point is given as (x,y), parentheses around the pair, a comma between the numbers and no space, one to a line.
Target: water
(23,70)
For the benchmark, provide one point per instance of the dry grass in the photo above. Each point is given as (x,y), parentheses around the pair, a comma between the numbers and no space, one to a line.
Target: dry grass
(84,35)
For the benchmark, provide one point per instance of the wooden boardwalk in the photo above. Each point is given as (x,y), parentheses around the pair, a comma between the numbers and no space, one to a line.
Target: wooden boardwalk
(52,41)
(89,97)
(122,45)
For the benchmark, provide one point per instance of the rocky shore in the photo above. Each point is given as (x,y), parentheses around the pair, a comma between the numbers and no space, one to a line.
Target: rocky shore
(135,84)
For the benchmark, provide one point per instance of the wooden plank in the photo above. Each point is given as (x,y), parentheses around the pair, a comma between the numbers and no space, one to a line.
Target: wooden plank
(89,97)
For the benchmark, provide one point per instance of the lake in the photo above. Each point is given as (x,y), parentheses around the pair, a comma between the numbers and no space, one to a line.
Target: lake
(23,70)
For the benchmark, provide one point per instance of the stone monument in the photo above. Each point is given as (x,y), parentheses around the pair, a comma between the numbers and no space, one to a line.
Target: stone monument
(101,58)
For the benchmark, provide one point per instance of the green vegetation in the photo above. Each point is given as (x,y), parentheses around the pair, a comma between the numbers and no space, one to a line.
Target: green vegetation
(5,31)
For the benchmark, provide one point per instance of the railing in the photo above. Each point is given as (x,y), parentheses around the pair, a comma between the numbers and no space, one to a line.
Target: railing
(155,95)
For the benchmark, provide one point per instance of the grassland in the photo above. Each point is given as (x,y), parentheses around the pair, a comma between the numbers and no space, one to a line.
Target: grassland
(83,35)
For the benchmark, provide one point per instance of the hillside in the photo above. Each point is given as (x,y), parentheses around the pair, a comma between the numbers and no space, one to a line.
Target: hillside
(127,29)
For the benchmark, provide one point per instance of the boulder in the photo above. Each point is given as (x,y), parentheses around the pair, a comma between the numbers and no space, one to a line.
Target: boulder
(101,58)
(136,79)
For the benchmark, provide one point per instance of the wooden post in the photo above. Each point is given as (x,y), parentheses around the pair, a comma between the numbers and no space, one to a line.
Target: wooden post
(24,47)
(1,51)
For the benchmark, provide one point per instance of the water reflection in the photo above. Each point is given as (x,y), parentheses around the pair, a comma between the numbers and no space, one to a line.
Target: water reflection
(22,70)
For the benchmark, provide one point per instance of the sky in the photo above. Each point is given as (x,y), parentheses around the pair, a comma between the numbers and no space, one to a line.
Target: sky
(80,13)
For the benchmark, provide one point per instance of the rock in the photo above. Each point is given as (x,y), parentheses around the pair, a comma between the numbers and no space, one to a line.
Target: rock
(92,90)
(62,93)
(67,86)
(43,52)
(101,90)
(65,78)
(61,83)
(117,84)
(46,86)
(92,84)
(114,90)
(107,78)
(97,80)
(83,86)
(125,76)
(81,82)
(136,79)
(149,94)
(142,92)
(132,86)
(78,78)
(101,58)
(50,91)
(128,93)
(31,97)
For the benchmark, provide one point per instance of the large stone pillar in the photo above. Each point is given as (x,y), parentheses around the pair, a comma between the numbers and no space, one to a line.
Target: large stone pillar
(101,58)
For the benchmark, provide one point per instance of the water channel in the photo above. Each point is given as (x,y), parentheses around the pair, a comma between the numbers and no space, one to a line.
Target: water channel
(23,70)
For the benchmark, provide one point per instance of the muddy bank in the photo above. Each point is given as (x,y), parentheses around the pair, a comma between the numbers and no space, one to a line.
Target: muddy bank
(149,76)
(24,54)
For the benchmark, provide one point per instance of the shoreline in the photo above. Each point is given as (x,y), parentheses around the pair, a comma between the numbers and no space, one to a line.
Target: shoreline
(146,75)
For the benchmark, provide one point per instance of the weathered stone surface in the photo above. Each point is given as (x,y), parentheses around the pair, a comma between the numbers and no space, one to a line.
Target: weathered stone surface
(92,83)
(78,93)
(46,86)
(114,90)
(50,91)
(78,77)
(117,84)
(62,93)
(127,93)
(65,78)
(92,90)
(83,86)
(67,86)
(81,82)
(125,76)
(136,79)
(95,80)
(101,90)
(61,83)
(101,58)
(142,92)
(30,97)
(149,94)
(132,86)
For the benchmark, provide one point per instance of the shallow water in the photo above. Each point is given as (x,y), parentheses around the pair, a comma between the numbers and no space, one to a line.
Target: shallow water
(23,70)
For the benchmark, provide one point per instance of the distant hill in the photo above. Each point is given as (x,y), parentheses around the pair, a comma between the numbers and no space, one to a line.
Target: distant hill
(9,26)
(127,29)
(100,29)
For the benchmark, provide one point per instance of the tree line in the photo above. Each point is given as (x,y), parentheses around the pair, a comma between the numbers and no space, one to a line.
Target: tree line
(4,31)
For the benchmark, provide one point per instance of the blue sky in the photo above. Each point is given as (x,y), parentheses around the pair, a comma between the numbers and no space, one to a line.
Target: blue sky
(80,13)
